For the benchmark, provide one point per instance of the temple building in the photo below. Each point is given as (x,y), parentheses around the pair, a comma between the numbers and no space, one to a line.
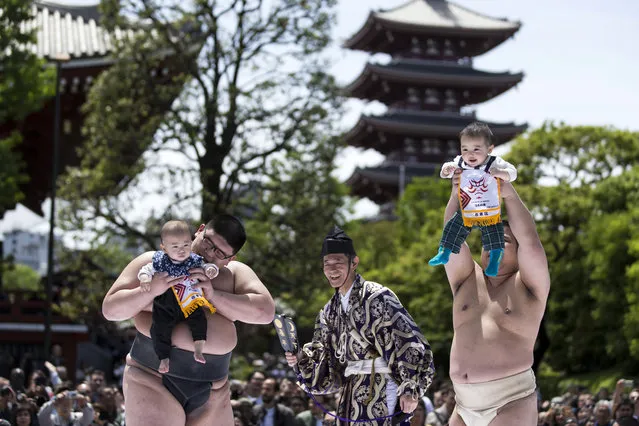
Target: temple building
(429,87)
(72,33)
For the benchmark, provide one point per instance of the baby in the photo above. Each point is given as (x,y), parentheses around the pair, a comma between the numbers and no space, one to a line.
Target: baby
(479,197)
(181,302)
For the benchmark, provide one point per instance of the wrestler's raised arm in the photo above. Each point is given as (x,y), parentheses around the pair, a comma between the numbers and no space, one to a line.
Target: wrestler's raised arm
(461,265)
(533,265)
(251,303)
(125,299)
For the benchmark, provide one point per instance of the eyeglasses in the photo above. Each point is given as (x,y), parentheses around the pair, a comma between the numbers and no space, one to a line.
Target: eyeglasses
(210,246)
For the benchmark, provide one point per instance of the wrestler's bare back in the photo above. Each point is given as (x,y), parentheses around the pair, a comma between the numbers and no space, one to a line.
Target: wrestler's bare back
(495,326)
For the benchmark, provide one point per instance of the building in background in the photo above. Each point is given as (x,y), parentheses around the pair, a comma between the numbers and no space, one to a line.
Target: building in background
(24,237)
(60,31)
(430,89)
(73,33)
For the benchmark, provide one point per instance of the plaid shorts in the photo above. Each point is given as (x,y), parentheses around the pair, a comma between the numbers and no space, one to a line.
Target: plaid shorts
(455,233)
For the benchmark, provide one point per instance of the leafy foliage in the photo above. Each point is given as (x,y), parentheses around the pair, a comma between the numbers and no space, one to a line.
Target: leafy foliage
(215,107)
(299,204)
(25,84)
(581,183)
(90,269)
(11,174)
(19,277)
(244,87)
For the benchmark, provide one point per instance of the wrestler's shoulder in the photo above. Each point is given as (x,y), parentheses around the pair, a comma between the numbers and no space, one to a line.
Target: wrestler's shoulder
(226,274)
(145,257)
(240,275)
(235,266)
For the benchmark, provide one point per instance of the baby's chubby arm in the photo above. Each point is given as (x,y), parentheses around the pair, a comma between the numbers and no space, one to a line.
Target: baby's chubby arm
(145,276)
(448,168)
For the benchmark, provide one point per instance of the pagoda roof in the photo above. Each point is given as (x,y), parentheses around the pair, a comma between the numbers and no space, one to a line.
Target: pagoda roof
(86,11)
(381,184)
(433,17)
(424,124)
(431,74)
(63,29)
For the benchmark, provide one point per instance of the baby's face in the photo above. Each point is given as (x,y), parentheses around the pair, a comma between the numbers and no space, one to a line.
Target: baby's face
(474,150)
(178,247)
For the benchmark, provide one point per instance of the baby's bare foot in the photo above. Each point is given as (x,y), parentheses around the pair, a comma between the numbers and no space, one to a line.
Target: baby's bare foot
(164,366)
(197,353)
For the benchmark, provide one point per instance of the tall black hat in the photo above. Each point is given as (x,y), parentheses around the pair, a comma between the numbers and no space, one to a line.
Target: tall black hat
(337,242)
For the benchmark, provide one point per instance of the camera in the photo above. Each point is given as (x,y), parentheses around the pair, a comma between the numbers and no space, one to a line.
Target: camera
(628,383)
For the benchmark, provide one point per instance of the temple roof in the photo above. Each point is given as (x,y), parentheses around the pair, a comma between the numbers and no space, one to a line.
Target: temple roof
(433,17)
(71,30)
(86,11)
(429,74)
(438,72)
(381,184)
(424,124)
(444,14)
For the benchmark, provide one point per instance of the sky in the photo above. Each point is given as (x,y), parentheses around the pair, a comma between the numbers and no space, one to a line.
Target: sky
(580,59)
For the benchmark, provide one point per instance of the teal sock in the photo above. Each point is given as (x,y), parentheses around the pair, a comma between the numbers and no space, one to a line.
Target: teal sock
(441,258)
(493,262)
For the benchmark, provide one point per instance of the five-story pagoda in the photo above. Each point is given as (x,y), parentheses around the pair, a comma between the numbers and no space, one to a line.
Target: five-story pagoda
(427,86)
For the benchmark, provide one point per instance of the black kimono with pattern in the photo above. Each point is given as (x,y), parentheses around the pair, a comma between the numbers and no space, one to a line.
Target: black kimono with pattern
(376,325)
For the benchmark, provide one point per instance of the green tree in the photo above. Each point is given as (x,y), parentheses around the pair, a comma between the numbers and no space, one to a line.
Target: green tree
(24,86)
(298,205)
(631,320)
(252,91)
(574,179)
(87,271)
(613,259)
(19,277)
(11,172)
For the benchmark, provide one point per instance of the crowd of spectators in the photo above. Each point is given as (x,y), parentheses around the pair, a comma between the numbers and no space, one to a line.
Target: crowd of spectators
(269,395)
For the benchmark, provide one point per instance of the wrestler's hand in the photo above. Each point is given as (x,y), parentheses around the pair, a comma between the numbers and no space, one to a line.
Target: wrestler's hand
(162,281)
(204,283)
(455,180)
(407,403)
(507,190)
(501,174)
(291,359)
